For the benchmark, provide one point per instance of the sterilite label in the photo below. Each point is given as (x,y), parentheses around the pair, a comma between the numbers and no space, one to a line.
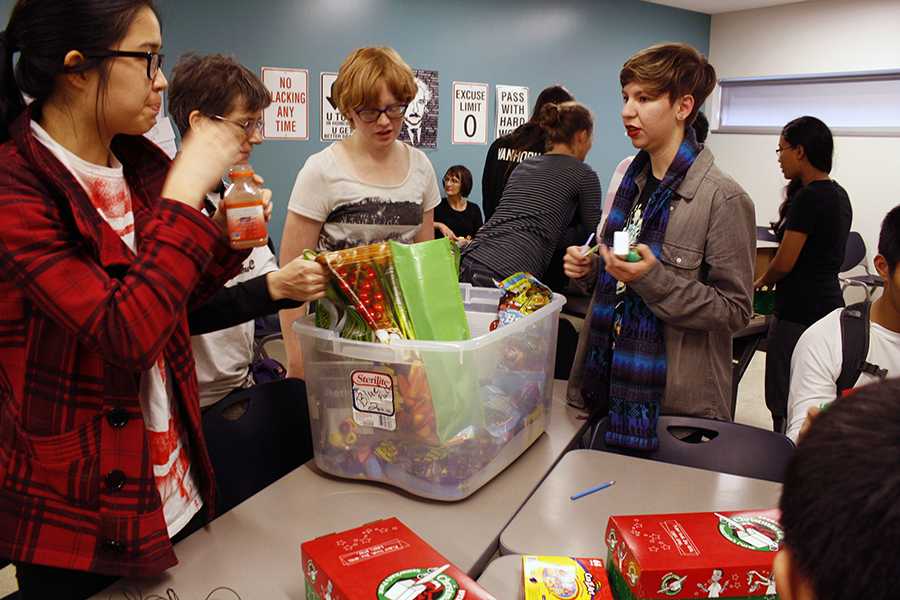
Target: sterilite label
(373,400)
(683,542)
(352,558)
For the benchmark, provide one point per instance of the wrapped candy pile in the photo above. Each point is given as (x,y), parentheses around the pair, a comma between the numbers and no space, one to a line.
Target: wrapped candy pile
(364,301)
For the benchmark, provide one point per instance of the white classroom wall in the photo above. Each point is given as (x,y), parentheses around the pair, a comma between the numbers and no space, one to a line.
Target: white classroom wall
(821,36)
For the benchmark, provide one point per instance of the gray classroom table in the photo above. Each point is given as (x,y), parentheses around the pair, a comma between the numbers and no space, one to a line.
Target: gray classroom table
(552,524)
(503,578)
(255,548)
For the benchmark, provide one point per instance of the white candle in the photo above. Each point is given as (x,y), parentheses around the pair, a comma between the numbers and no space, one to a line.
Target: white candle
(620,243)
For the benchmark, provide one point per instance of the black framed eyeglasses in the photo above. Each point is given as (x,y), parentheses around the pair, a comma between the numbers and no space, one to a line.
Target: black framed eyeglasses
(154,59)
(249,126)
(370,115)
(779,150)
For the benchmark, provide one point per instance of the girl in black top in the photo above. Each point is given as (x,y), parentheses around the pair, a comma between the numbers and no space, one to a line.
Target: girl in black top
(814,222)
(455,217)
(507,152)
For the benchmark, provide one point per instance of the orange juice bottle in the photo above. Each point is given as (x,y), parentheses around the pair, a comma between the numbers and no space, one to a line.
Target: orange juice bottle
(244,210)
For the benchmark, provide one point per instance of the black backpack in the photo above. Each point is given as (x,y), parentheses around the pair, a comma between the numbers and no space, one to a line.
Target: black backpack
(855,347)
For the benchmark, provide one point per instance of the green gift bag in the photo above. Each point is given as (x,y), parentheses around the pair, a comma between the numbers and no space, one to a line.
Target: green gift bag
(429,281)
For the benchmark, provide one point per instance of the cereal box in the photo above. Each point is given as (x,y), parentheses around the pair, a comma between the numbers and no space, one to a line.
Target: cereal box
(383,560)
(564,578)
(693,555)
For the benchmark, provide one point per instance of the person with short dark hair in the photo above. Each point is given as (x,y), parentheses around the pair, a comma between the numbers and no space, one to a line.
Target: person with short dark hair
(839,504)
(214,87)
(544,197)
(818,358)
(455,217)
(659,333)
(814,222)
(506,152)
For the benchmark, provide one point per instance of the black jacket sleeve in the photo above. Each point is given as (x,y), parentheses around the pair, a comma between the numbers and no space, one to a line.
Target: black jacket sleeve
(234,305)
(491,186)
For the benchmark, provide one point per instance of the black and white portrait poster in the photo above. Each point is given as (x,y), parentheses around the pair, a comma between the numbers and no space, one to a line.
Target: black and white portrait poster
(420,124)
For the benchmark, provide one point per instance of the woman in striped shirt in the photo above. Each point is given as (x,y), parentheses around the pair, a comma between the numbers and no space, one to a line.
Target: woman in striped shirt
(550,201)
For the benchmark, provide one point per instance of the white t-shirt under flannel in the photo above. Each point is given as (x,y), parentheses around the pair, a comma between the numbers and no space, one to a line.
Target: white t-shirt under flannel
(355,213)
(223,357)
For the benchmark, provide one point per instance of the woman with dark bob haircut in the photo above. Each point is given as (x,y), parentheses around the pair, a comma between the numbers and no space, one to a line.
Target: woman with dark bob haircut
(103,250)
(455,217)
(813,226)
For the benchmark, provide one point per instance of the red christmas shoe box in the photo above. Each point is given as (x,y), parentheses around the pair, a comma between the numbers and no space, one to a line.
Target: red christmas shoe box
(383,560)
(693,555)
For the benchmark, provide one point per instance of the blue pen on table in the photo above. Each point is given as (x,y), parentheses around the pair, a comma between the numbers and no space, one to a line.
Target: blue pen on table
(596,488)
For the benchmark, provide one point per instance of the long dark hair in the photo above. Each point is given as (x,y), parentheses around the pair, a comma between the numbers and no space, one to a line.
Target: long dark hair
(816,139)
(790,190)
(42,32)
(818,147)
(531,134)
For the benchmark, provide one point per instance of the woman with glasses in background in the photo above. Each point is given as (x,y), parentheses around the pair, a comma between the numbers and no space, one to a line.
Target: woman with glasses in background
(455,217)
(812,229)
(103,248)
(367,188)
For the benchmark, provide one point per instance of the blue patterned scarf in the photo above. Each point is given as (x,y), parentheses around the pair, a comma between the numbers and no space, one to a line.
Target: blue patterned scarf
(628,370)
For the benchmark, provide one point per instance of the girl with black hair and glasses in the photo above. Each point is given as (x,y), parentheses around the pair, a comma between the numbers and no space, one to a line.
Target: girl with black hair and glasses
(813,225)
(103,249)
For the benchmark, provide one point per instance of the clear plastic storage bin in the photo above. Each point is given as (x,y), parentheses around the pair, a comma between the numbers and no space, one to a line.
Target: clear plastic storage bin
(437,419)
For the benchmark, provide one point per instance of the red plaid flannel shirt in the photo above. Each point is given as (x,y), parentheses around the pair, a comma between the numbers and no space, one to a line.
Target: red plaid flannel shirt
(80,319)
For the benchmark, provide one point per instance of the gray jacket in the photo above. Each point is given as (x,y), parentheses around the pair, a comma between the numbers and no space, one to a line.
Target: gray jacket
(701,288)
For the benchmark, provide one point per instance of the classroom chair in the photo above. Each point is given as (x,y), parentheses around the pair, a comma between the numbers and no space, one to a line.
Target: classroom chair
(713,445)
(271,438)
(765,233)
(855,255)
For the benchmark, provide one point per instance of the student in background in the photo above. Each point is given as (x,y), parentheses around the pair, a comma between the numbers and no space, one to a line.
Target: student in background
(818,358)
(367,188)
(814,222)
(455,217)
(103,249)
(506,152)
(839,505)
(694,229)
(544,197)
(216,88)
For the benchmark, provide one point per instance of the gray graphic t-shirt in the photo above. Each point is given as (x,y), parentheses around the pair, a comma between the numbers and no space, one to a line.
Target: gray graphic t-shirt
(354,213)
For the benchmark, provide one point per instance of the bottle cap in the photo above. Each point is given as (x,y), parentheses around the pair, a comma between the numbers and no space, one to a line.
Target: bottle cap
(240,170)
